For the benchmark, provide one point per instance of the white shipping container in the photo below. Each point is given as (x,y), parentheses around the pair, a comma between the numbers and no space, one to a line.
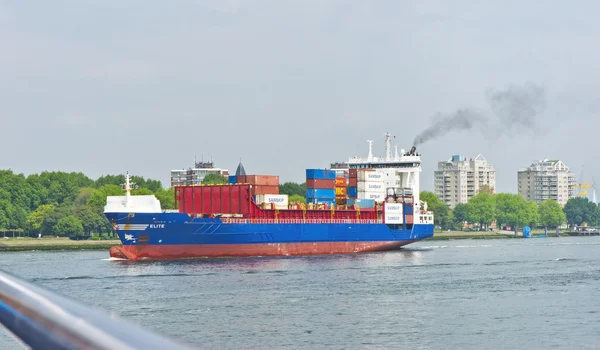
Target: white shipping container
(370,176)
(395,208)
(376,196)
(393,218)
(280,200)
(370,186)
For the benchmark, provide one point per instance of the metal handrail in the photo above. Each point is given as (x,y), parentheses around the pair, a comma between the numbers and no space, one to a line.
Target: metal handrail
(44,320)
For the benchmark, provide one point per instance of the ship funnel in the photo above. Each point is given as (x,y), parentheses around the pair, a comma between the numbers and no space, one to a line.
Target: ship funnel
(413,150)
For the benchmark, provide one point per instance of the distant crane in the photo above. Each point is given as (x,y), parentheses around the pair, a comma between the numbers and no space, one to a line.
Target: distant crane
(584,187)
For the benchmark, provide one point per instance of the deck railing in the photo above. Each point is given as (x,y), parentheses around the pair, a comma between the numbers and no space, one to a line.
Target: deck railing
(299,221)
(41,319)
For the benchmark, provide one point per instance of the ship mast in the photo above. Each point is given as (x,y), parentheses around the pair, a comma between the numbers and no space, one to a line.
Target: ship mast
(127,186)
(370,156)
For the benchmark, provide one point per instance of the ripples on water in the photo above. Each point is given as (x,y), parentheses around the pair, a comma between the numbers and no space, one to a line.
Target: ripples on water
(466,294)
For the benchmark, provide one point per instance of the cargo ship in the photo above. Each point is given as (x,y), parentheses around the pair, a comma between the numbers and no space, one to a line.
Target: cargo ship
(364,205)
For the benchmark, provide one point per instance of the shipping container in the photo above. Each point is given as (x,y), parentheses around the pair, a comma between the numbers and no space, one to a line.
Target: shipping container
(353,182)
(362,203)
(377,196)
(340,191)
(320,200)
(280,201)
(260,189)
(409,219)
(370,176)
(320,183)
(352,192)
(320,174)
(340,182)
(352,173)
(262,180)
(408,209)
(320,193)
(213,199)
(371,187)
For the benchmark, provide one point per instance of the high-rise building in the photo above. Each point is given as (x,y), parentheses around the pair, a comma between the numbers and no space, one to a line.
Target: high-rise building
(546,179)
(458,179)
(195,175)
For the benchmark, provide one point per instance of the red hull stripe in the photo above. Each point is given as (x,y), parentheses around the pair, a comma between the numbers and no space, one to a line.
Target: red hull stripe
(175,251)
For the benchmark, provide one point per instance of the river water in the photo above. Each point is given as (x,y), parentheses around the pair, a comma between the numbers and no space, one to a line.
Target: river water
(538,293)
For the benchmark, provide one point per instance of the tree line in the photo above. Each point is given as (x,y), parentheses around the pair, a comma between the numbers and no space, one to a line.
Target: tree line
(65,204)
(506,209)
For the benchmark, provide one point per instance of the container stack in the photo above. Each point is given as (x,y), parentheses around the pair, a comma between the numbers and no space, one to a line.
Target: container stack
(352,183)
(371,185)
(261,184)
(340,190)
(320,186)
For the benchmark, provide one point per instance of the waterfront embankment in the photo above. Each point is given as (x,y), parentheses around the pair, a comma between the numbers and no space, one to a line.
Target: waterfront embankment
(24,244)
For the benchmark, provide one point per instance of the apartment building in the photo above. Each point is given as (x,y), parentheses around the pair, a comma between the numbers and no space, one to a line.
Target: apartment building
(546,179)
(195,175)
(459,178)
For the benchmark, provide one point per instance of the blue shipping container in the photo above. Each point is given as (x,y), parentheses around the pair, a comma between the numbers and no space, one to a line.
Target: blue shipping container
(324,174)
(352,192)
(327,193)
(320,200)
(408,209)
(365,203)
(232,179)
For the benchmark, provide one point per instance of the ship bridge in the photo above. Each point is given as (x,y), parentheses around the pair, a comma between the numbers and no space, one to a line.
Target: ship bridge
(406,166)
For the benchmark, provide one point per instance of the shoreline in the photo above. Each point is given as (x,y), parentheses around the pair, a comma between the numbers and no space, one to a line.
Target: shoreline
(65,244)
(30,244)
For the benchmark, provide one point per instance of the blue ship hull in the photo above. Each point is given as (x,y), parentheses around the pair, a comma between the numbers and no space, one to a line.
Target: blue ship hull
(176,235)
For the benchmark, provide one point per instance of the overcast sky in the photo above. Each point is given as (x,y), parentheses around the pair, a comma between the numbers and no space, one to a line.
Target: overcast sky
(104,86)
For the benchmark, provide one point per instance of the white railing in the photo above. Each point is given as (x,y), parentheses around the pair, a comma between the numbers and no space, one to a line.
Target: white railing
(44,320)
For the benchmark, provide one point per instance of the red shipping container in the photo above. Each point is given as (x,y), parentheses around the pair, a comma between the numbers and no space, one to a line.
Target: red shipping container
(340,182)
(264,190)
(340,191)
(320,183)
(262,180)
(353,182)
(352,173)
(409,219)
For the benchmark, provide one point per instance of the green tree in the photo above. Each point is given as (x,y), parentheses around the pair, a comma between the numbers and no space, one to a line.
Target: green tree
(166,198)
(551,214)
(580,210)
(296,199)
(514,210)
(91,221)
(441,212)
(292,188)
(141,192)
(214,179)
(460,214)
(33,224)
(69,226)
(97,199)
(481,209)
(52,218)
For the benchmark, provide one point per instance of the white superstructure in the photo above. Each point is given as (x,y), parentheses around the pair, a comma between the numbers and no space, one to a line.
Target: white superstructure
(129,203)
(400,169)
